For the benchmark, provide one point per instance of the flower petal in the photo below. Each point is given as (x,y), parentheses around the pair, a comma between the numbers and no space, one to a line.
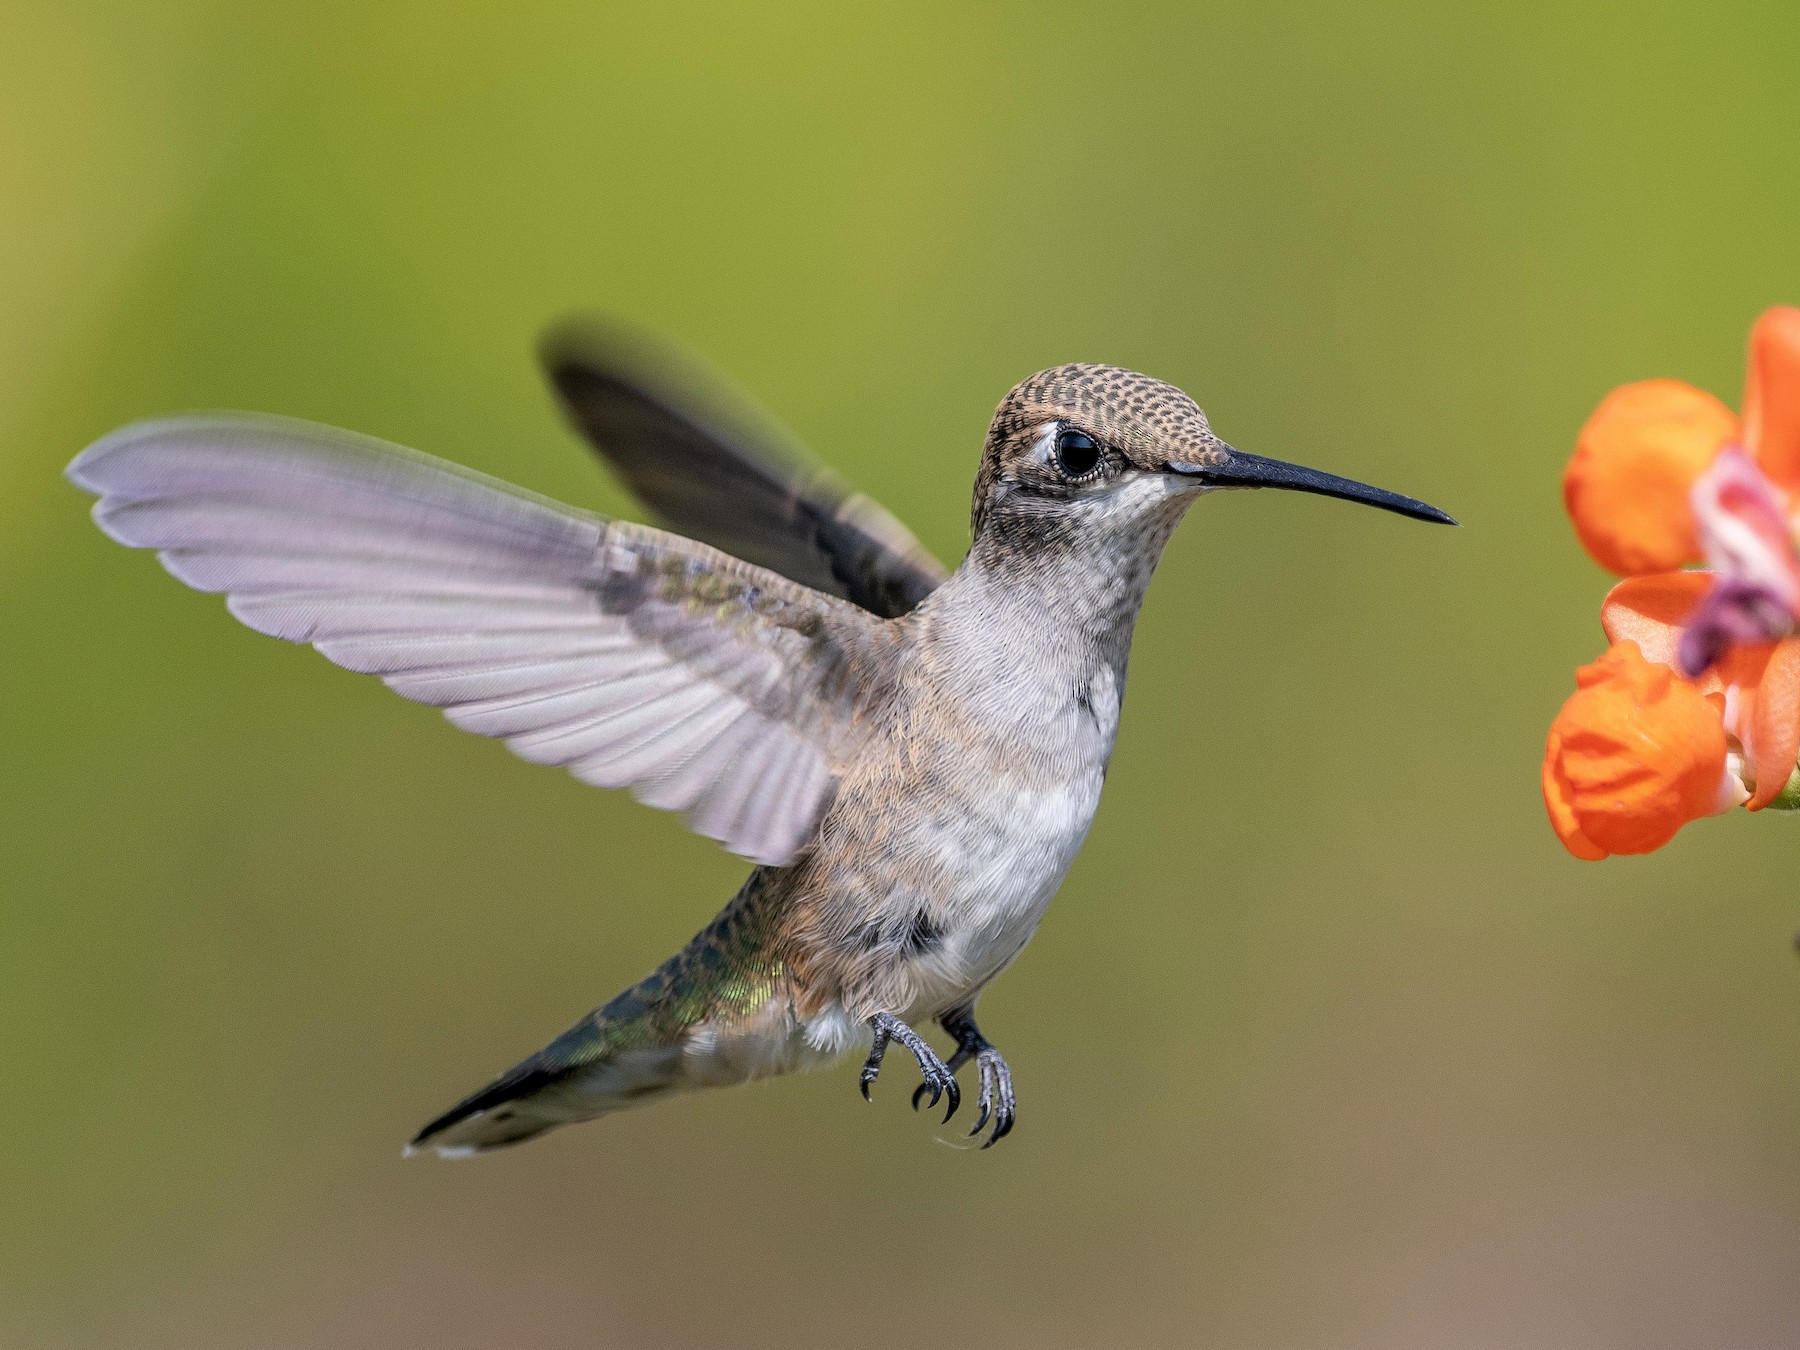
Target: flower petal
(1734,616)
(1559,800)
(1626,486)
(1633,756)
(1772,395)
(1651,610)
(1773,743)
(1743,523)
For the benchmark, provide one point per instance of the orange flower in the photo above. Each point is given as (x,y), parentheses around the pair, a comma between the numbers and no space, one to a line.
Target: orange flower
(1662,476)
(1758,684)
(1626,486)
(1635,754)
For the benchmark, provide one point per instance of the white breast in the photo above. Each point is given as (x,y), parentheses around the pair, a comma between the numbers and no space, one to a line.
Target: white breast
(1001,850)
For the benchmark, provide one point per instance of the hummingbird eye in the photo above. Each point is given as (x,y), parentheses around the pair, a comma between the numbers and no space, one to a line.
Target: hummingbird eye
(1076,453)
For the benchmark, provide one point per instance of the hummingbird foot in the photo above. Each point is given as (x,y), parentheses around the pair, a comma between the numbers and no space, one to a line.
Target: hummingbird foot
(996,1095)
(996,1101)
(940,1078)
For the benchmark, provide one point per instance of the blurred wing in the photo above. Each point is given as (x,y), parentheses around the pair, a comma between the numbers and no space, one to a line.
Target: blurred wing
(739,485)
(632,657)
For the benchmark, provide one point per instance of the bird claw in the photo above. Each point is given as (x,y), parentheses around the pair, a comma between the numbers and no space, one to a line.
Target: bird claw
(997,1105)
(871,1069)
(996,1098)
(981,1119)
(955,1062)
(943,1083)
(939,1077)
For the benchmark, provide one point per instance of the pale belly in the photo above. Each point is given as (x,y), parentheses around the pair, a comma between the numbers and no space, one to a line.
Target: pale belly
(985,876)
(1008,856)
(955,884)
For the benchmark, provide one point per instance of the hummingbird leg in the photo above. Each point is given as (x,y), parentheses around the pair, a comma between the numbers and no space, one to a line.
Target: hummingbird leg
(996,1100)
(939,1077)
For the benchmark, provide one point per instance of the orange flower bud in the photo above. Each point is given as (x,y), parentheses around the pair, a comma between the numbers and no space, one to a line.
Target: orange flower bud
(1635,754)
(1626,486)
(1772,395)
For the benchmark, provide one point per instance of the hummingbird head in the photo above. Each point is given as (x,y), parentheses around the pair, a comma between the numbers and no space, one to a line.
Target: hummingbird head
(1097,454)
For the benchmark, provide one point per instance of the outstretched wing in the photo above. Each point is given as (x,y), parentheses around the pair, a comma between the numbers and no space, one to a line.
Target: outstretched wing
(722,477)
(632,657)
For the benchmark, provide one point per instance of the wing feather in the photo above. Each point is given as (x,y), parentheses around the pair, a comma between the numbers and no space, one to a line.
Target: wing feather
(711,468)
(632,657)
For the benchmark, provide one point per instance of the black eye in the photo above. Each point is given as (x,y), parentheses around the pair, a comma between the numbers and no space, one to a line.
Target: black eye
(1076,454)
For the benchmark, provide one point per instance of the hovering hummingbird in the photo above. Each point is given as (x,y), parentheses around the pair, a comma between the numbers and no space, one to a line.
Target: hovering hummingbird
(910,756)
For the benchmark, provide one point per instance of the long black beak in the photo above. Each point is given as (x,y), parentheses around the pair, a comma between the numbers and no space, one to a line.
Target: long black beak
(1241,470)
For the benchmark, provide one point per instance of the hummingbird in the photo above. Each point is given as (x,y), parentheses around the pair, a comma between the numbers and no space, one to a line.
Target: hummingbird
(910,756)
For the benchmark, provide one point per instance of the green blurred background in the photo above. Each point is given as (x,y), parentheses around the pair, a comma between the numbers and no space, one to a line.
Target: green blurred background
(1326,1044)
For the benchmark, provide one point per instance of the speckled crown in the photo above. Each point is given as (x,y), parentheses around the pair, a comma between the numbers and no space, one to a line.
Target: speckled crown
(1146,419)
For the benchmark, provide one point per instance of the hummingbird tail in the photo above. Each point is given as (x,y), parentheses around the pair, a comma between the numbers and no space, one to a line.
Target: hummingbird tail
(705,1017)
(594,1067)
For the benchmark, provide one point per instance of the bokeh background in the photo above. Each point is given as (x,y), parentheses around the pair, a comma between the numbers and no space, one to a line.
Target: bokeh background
(1327,1044)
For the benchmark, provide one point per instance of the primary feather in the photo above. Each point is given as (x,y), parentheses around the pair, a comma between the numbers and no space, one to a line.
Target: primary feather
(632,657)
